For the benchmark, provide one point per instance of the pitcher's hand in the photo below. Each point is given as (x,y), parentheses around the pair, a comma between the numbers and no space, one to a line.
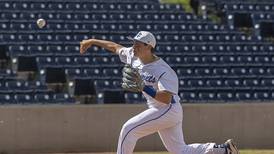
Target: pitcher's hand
(84,45)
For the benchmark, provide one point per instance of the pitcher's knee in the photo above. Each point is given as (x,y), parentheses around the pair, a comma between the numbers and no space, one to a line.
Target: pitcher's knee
(128,133)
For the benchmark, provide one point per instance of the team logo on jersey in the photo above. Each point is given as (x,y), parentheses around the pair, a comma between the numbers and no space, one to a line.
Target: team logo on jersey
(148,77)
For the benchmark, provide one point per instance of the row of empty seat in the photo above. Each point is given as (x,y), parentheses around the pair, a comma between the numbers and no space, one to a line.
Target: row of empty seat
(226,95)
(87,6)
(36,98)
(263,61)
(61,27)
(214,62)
(74,39)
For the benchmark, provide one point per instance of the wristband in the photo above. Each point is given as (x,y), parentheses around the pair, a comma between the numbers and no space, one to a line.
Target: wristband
(150,91)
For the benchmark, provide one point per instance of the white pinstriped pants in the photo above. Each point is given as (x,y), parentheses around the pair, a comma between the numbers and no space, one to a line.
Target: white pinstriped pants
(167,121)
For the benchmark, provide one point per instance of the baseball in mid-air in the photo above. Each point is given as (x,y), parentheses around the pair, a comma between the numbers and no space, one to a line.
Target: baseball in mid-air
(41,23)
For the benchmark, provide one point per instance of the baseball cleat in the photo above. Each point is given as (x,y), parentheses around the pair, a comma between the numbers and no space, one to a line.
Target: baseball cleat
(231,147)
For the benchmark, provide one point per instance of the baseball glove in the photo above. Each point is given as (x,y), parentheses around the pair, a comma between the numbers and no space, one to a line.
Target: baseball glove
(132,80)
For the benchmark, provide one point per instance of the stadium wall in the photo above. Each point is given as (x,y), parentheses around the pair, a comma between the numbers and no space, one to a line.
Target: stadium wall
(93,128)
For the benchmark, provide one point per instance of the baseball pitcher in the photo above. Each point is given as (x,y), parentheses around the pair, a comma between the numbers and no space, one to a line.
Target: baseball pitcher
(145,72)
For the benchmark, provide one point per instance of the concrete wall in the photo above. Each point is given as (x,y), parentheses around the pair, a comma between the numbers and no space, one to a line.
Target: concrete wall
(91,128)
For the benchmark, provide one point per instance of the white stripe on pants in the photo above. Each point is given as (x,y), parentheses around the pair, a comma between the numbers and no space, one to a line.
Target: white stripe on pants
(168,122)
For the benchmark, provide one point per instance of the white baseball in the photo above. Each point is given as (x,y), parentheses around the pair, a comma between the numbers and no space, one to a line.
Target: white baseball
(41,23)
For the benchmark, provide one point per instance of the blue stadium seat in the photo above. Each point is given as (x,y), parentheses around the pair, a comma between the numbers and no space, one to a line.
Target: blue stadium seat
(75,6)
(262,59)
(20,26)
(207,96)
(56,49)
(19,86)
(27,37)
(103,85)
(24,99)
(94,72)
(42,98)
(40,6)
(18,50)
(4,89)
(5,5)
(188,96)
(38,87)
(203,71)
(63,98)
(92,6)
(213,61)
(251,82)
(73,72)
(196,83)
(192,59)
(245,59)
(239,71)
(268,83)
(112,72)
(244,95)
(7,99)
(56,6)
(257,70)
(228,59)
(115,60)
(56,26)
(214,83)
(46,37)
(233,82)
(83,62)
(132,98)
(226,95)
(39,50)
(46,61)
(173,60)
(185,72)
(66,61)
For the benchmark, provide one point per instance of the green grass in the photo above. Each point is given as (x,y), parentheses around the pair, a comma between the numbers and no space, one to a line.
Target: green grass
(187,7)
(185,4)
(256,151)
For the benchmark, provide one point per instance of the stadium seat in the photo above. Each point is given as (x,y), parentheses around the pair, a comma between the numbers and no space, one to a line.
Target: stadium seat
(203,71)
(94,72)
(7,99)
(226,96)
(24,99)
(103,85)
(18,50)
(194,83)
(183,72)
(63,98)
(112,72)
(132,98)
(212,61)
(110,97)
(207,96)
(46,61)
(244,95)
(42,98)
(188,96)
(233,82)
(214,83)
(19,87)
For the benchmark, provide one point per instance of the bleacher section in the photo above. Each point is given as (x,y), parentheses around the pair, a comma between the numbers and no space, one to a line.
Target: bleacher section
(214,62)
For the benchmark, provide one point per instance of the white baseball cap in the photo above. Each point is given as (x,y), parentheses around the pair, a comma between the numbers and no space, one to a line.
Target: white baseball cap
(145,37)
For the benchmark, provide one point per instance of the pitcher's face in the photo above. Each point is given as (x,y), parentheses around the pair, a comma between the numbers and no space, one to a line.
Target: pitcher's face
(139,48)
